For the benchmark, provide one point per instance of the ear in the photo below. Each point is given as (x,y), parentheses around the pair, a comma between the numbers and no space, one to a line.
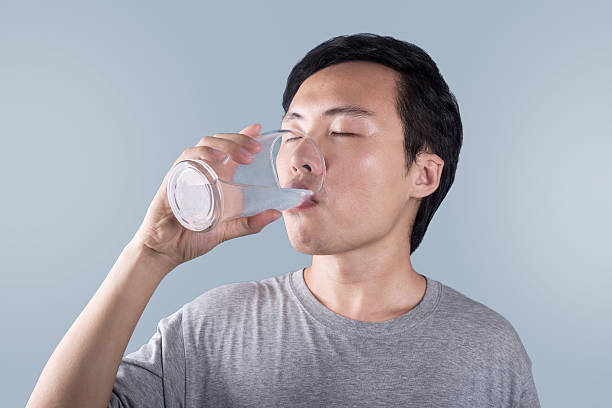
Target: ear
(425,174)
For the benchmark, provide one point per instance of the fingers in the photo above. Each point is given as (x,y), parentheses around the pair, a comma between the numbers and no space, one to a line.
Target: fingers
(237,153)
(205,153)
(245,138)
(230,142)
(245,141)
(238,146)
(252,130)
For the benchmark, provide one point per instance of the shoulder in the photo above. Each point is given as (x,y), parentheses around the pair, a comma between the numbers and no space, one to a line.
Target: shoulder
(237,297)
(469,311)
(483,328)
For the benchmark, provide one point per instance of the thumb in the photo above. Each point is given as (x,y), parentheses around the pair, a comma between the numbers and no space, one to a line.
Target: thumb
(252,130)
(250,225)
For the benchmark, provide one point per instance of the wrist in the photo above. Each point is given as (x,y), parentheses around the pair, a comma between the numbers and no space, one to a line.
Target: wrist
(157,264)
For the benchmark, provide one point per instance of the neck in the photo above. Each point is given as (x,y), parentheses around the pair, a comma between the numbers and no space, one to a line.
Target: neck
(370,284)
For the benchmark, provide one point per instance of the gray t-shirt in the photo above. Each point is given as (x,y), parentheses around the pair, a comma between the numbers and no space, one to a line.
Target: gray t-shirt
(272,343)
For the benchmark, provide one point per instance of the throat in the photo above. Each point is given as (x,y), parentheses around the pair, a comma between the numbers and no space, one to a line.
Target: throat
(374,300)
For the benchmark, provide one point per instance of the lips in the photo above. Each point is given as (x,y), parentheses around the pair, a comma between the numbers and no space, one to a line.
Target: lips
(306,203)
(297,184)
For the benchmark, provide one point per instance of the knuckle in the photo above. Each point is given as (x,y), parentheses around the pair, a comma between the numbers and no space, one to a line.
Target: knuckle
(246,226)
(250,228)
(241,154)
(251,144)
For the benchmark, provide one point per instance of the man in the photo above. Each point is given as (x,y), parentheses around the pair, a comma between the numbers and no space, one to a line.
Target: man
(358,327)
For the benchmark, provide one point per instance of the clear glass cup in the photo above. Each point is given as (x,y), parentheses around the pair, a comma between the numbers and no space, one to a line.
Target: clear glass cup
(288,170)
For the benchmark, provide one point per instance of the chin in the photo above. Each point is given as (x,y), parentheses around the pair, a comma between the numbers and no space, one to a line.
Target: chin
(313,236)
(305,241)
(302,241)
(309,243)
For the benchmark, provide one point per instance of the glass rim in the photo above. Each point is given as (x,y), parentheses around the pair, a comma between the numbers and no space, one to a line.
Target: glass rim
(299,133)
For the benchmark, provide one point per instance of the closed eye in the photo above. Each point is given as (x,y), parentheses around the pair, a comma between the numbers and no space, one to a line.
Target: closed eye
(333,133)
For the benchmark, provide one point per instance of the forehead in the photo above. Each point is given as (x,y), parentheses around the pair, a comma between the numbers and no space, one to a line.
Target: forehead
(361,83)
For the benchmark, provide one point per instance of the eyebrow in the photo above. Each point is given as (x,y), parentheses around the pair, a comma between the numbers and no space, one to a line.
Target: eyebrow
(348,110)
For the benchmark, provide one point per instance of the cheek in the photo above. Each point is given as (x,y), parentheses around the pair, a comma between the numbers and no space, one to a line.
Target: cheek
(366,185)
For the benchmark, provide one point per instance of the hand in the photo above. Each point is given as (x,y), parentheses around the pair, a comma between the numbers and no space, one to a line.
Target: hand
(165,236)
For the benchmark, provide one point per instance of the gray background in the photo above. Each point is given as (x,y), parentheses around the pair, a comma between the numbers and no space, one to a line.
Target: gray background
(97,101)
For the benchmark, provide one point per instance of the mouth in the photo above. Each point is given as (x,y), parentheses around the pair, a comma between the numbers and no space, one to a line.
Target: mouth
(305,204)
(309,201)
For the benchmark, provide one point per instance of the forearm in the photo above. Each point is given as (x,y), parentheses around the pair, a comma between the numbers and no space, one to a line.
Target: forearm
(82,369)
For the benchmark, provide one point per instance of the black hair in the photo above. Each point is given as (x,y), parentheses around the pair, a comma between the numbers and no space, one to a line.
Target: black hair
(428,110)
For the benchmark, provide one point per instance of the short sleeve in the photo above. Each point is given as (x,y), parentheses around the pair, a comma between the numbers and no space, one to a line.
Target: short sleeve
(529,395)
(154,375)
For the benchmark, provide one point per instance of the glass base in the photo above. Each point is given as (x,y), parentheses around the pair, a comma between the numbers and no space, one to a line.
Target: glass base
(194,195)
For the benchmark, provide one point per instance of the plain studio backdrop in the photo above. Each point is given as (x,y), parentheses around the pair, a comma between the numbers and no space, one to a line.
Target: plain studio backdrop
(98,100)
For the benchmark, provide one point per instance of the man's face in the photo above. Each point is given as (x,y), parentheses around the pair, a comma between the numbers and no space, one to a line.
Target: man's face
(365,194)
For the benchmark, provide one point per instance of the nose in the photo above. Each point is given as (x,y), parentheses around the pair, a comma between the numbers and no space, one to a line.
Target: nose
(306,161)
